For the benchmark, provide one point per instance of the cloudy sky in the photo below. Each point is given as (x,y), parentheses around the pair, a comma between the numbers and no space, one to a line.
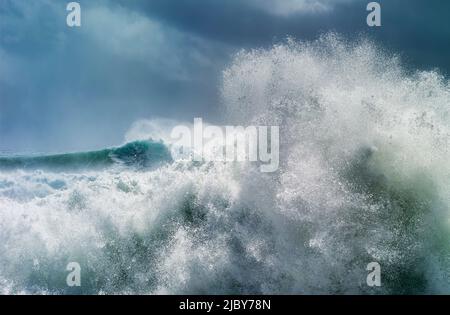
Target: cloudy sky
(81,88)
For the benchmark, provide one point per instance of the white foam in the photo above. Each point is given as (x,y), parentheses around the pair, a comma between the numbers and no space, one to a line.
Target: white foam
(364,176)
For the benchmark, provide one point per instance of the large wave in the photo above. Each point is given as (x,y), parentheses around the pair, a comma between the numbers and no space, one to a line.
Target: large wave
(142,153)
(364,176)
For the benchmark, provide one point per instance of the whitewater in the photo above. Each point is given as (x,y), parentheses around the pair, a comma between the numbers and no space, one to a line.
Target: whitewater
(364,177)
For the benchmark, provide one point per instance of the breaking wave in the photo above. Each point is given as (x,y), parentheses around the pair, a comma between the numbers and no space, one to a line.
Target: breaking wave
(137,153)
(364,177)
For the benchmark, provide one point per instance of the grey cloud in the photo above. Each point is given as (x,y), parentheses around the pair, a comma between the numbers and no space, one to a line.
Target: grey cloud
(63,88)
(84,87)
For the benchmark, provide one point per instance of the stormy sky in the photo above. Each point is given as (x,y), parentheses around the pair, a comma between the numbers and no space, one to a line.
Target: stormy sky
(81,88)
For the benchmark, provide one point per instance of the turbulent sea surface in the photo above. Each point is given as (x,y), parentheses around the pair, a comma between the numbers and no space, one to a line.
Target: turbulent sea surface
(364,177)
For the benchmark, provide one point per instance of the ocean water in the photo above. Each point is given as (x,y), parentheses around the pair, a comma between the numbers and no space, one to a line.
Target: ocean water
(364,177)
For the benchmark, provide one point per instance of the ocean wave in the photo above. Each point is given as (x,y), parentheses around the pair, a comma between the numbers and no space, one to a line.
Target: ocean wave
(364,177)
(137,153)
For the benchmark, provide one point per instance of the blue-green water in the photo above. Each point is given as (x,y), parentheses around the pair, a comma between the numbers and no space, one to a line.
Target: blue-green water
(137,154)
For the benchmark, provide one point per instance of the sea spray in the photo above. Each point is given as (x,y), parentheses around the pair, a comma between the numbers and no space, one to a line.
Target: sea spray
(363,177)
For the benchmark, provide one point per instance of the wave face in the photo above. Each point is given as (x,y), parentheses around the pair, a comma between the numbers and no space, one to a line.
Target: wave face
(364,177)
(137,153)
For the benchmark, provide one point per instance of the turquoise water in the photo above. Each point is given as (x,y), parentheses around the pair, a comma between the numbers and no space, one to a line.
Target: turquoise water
(138,154)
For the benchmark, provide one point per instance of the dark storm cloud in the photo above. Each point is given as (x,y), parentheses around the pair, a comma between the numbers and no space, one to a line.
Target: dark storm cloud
(75,88)
(243,23)
(420,30)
